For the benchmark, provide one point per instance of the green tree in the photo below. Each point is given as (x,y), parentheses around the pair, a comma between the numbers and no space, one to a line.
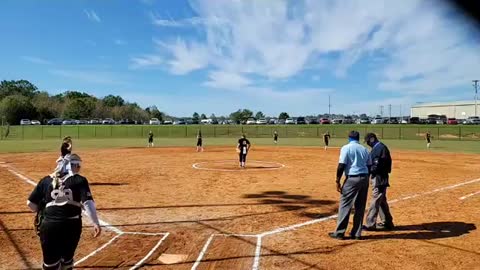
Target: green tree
(21,87)
(113,101)
(46,106)
(283,116)
(259,115)
(203,116)
(79,108)
(17,107)
(76,94)
(156,113)
(195,118)
(241,116)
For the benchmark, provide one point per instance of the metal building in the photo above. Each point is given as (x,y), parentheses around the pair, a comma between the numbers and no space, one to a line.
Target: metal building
(456,109)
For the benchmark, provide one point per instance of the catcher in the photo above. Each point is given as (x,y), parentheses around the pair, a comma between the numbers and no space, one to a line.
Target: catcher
(58,202)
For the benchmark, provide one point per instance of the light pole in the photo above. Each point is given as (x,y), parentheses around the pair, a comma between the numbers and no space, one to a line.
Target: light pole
(475,84)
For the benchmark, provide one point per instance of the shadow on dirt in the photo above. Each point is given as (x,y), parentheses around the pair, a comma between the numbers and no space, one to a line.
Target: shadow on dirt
(108,184)
(427,231)
(293,202)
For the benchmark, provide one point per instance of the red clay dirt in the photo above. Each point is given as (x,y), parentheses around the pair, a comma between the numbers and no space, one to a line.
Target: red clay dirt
(158,191)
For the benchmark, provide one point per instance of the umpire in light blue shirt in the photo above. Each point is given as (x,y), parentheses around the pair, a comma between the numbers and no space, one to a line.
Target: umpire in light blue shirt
(354,162)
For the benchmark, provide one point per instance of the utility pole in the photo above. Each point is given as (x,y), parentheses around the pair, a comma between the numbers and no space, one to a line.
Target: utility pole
(390,110)
(475,84)
(401,116)
(381,110)
(329,106)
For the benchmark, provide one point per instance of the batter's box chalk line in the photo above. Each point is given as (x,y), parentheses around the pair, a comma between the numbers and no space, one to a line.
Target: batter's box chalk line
(107,226)
(234,163)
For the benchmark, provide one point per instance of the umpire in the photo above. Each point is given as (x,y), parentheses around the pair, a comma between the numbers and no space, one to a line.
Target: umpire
(59,202)
(380,170)
(354,162)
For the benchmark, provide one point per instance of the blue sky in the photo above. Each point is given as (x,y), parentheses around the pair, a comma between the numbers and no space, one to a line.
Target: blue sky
(218,56)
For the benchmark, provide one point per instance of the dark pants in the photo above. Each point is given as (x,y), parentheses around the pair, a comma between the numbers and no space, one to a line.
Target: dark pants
(379,207)
(243,157)
(354,192)
(59,240)
(199,142)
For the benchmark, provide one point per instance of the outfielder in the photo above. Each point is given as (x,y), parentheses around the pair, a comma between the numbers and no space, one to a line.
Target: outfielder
(58,202)
(242,148)
(275,137)
(199,141)
(428,137)
(326,139)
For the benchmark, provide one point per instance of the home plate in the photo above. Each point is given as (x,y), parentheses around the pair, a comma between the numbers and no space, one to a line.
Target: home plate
(172,258)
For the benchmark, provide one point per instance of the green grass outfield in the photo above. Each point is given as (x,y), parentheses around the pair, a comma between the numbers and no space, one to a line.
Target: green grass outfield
(23,146)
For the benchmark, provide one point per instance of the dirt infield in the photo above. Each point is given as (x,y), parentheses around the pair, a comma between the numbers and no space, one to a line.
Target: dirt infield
(163,212)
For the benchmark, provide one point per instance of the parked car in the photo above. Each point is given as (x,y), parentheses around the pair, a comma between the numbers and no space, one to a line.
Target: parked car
(363,121)
(472,120)
(251,121)
(81,122)
(108,121)
(154,121)
(452,121)
(55,121)
(68,122)
(289,121)
(36,122)
(348,120)
(272,121)
(392,121)
(262,121)
(25,122)
(168,122)
(300,121)
(95,121)
(431,121)
(378,121)
(337,121)
(313,121)
(404,121)
(325,121)
(440,122)
(281,121)
(414,120)
(179,122)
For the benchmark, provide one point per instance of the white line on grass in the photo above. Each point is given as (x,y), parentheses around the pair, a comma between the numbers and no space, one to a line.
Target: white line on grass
(469,195)
(142,261)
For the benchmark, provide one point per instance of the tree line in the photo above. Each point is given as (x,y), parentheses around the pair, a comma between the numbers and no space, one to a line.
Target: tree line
(20,99)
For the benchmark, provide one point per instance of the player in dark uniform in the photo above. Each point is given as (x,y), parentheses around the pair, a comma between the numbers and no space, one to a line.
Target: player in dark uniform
(242,148)
(428,138)
(60,201)
(326,139)
(275,137)
(63,165)
(199,141)
(150,139)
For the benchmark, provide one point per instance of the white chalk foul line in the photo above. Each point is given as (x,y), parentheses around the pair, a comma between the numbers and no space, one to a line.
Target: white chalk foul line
(469,195)
(202,252)
(258,251)
(98,249)
(142,261)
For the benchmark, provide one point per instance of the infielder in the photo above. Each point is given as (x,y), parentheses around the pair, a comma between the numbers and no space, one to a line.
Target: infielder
(379,172)
(326,139)
(150,139)
(242,148)
(428,137)
(275,137)
(59,202)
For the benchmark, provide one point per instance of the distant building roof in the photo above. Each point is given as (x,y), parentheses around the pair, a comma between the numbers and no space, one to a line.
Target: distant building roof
(441,104)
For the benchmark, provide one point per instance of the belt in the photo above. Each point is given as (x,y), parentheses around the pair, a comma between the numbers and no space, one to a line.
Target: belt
(359,175)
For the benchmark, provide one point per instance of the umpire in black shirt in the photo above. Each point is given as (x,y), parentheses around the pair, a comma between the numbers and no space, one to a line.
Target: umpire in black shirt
(59,202)
(380,170)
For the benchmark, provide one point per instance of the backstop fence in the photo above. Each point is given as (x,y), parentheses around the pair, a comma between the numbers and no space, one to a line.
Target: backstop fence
(398,132)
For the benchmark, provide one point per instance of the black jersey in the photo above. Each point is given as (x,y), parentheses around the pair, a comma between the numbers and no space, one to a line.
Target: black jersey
(64,202)
(243,145)
(150,137)
(66,149)
(275,136)
(326,137)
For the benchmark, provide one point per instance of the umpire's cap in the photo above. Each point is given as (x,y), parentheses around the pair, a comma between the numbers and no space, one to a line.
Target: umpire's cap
(355,135)
(370,136)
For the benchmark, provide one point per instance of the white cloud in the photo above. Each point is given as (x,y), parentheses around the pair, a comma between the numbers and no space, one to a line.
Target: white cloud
(225,80)
(424,48)
(97,77)
(145,61)
(36,60)
(92,15)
